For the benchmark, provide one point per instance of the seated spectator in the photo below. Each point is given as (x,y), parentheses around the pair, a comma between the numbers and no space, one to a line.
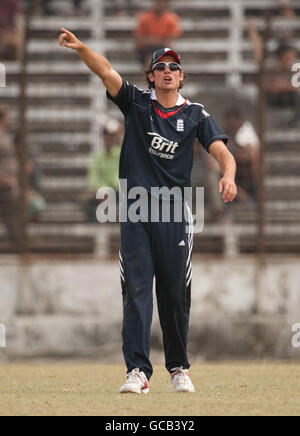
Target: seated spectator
(103,170)
(286,9)
(278,82)
(9,183)
(279,88)
(244,145)
(38,7)
(11,30)
(36,202)
(45,7)
(122,7)
(157,28)
(78,7)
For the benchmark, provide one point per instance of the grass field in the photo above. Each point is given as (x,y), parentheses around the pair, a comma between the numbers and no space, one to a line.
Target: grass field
(91,389)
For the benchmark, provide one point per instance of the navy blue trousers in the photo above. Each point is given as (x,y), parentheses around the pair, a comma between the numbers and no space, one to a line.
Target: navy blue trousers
(163,250)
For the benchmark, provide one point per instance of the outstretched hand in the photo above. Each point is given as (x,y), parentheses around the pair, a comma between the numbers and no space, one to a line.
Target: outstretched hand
(69,40)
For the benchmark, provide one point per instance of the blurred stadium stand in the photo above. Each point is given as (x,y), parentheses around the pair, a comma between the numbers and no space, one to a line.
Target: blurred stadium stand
(63,131)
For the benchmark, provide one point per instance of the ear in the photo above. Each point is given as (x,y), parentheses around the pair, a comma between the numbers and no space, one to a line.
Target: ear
(151,77)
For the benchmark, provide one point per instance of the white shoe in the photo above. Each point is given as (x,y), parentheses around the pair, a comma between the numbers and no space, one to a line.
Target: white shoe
(180,379)
(136,383)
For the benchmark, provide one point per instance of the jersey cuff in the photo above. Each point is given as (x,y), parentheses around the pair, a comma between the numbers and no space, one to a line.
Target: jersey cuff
(223,138)
(116,99)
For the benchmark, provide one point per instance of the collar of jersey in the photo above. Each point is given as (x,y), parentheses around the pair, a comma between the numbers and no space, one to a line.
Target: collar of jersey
(180,100)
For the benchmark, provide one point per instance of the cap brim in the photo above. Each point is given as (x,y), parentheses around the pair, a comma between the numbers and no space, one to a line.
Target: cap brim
(171,53)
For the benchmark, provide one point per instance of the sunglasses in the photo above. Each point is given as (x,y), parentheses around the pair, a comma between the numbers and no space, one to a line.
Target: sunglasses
(161,66)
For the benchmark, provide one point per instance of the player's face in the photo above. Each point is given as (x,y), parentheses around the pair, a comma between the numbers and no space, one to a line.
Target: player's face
(167,79)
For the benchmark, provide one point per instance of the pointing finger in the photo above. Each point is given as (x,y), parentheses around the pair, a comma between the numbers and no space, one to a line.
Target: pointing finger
(68,33)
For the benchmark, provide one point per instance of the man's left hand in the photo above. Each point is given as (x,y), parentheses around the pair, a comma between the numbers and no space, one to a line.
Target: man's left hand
(229,189)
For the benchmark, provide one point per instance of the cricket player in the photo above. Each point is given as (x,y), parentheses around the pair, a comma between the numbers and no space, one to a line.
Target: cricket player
(160,130)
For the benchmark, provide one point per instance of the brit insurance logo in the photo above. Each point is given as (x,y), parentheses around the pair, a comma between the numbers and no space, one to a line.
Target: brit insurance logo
(162,147)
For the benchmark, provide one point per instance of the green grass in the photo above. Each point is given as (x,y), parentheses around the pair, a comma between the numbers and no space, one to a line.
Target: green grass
(93,389)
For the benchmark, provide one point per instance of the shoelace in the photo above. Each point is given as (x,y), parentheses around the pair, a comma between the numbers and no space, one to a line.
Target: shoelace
(180,375)
(134,376)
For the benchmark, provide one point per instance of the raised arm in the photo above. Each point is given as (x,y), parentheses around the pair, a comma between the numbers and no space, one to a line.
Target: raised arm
(227,164)
(255,39)
(97,64)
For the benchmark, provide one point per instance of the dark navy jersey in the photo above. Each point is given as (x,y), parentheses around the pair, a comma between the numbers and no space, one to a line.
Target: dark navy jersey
(157,150)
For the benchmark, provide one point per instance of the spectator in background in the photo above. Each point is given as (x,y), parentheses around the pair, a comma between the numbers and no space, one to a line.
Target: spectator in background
(11,30)
(156,29)
(78,7)
(279,87)
(35,200)
(39,7)
(244,145)
(286,9)
(44,7)
(104,166)
(122,7)
(278,83)
(9,183)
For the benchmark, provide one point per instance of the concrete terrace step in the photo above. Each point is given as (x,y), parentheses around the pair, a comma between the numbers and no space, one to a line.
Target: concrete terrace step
(64,183)
(191,45)
(77,67)
(60,162)
(63,216)
(280,182)
(38,92)
(75,230)
(283,206)
(210,4)
(59,113)
(49,90)
(72,140)
(87,229)
(283,157)
(127,24)
(280,218)
(129,45)
(283,136)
